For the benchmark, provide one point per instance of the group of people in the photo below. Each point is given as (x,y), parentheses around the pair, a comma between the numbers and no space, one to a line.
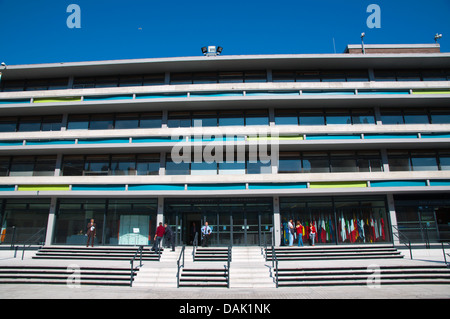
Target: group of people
(298,231)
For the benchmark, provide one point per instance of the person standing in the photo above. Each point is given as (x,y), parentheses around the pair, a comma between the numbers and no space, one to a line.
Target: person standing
(312,233)
(170,236)
(291,232)
(91,231)
(160,231)
(206,233)
(299,228)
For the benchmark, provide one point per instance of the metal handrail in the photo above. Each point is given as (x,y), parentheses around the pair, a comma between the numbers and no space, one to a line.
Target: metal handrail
(194,246)
(443,252)
(180,266)
(139,251)
(405,237)
(33,238)
(275,265)
(228,266)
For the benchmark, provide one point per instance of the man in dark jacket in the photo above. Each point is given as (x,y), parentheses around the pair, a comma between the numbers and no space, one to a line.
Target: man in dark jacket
(170,237)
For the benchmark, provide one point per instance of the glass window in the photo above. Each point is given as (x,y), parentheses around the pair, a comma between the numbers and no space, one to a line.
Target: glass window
(357,76)
(36,85)
(399,161)
(4,166)
(343,162)
(154,79)
(259,167)
(333,76)
(150,120)
(130,80)
(363,116)
(338,117)
(13,86)
(434,75)
(208,119)
(106,82)
(51,123)
(255,117)
(83,83)
(181,78)
(8,124)
(286,117)
(232,168)
(58,84)
(204,78)
(204,168)
(147,164)
(45,166)
(255,76)
(179,119)
(369,161)
(418,116)
(308,76)
(385,75)
(289,163)
(389,117)
(311,117)
(73,165)
(29,124)
(444,161)
(173,168)
(283,76)
(316,162)
(424,161)
(231,77)
(440,116)
(123,165)
(231,118)
(101,122)
(96,165)
(126,121)
(78,122)
(408,75)
(22,166)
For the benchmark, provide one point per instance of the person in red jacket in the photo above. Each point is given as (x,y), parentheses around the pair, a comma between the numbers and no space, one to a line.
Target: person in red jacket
(299,228)
(160,231)
(312,233)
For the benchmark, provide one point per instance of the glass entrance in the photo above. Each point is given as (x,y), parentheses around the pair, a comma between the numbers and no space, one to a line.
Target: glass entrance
(233,221)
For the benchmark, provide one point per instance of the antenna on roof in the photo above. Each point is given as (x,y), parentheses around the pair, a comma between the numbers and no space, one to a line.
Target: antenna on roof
(362,41)
(437,37)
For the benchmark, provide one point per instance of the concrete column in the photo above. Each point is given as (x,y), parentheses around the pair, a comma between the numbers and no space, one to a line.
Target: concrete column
(276,221)
(384,160)
(393,217)
(51,222)
(160,212)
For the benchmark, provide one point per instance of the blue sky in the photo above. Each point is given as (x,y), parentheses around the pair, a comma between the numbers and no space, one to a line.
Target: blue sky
(36,31)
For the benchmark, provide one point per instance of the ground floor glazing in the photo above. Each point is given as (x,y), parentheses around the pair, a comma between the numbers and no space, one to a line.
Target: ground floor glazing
(234,220)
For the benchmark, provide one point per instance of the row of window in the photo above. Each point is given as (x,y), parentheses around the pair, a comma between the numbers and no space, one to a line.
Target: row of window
(225,118)
(288,163)
(226,77)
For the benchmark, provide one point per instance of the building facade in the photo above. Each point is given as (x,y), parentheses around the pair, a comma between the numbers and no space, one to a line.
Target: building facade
(357,144)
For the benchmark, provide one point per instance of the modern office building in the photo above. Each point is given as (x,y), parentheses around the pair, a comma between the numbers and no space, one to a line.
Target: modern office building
(356,143)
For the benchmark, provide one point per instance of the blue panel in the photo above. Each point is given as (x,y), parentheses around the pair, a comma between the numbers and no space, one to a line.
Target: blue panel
(161,96)
(98,187)
(435,135)
(277,186)
(397,183)
(108,98)
(104,141)
(440,183)
(333,137)
(219,139)
(214,187)
(11,143)
(156,187)
(156,140)
(388,136)
(383,92)
(57,142)
(215,94)
(328,93)
(272,93)
(15,101)
(7,188)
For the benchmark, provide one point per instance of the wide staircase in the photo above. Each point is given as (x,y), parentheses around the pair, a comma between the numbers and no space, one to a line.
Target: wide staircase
(350,265)
(117,253)
(67,275)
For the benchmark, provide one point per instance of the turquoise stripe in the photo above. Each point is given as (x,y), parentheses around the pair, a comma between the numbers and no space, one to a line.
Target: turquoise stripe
(7,188)
(104,141)
(11,143)
(220,139)
(108,98)
(160,96)
(215,94)
(271,93)
(57,142)
(388,136)
(277,186)
(15,101)
(328,93)
(156,140)
(440,183)
(397,183)
(383,92)
(98,187)
(333,137)
(156,187)
(213,187)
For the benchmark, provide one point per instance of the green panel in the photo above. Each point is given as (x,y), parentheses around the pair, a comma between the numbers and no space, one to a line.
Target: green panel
(337,184)
(43,188)
(57,99)
(432,92)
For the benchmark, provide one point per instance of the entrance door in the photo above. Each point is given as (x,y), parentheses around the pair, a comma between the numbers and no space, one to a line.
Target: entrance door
(134,230)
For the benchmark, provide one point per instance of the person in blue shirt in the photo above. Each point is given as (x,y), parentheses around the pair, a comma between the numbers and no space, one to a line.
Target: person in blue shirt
(206,233)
